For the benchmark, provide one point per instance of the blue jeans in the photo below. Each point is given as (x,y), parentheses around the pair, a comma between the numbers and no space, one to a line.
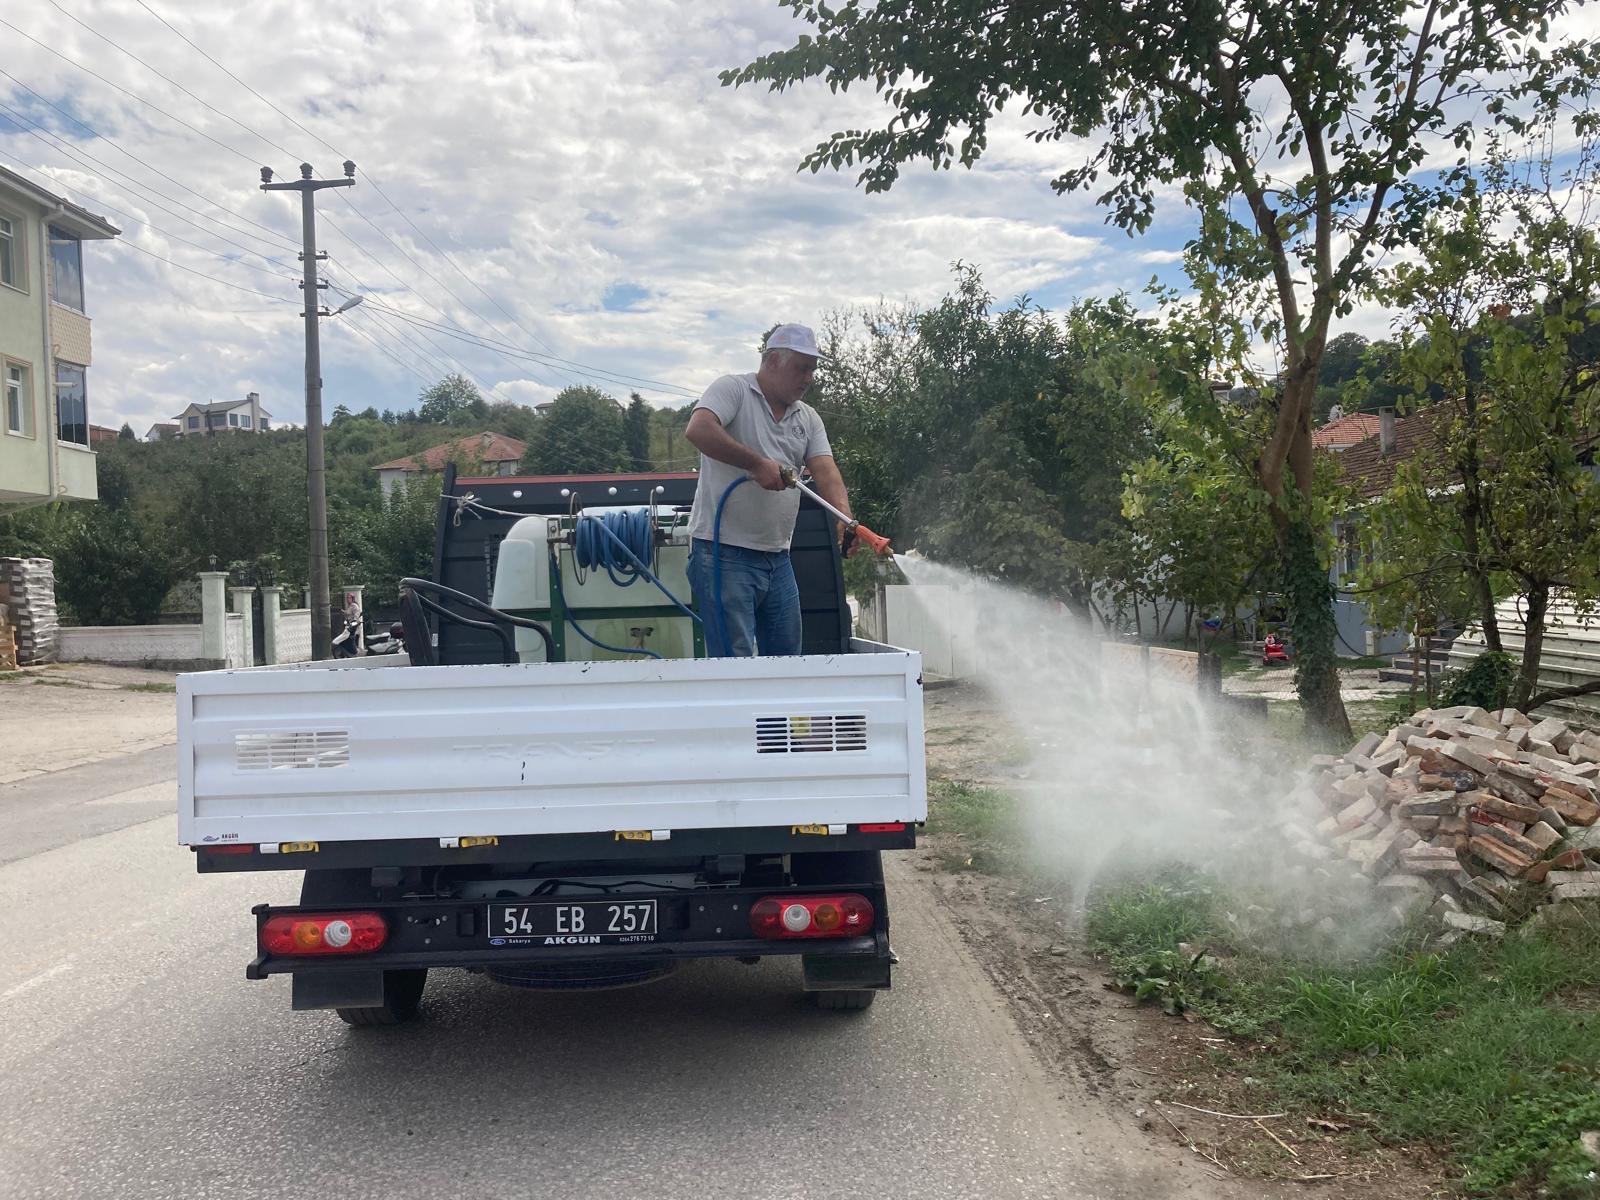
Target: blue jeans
(760,601)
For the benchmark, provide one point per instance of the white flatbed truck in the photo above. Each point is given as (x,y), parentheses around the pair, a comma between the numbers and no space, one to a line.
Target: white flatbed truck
(512,800)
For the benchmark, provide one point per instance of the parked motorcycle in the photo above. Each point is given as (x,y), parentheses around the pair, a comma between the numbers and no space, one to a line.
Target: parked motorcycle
(347,642)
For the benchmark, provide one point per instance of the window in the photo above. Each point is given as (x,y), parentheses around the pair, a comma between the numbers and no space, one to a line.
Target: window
(263,423)
(245,421)
(194,422)
(72,404)
(11,254)
(66,269)
(233,419)
(19,401)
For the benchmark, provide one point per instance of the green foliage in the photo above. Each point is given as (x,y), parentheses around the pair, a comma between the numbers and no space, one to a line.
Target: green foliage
(126,434)
(996,440)
(395,540)
(636,430)
(1485,682)
(582,432)
(1293,133)
(1489,1052)
(110,570)
(452,400)
(1501,498)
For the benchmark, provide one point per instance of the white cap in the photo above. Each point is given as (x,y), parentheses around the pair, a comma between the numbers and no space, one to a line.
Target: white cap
(798,338)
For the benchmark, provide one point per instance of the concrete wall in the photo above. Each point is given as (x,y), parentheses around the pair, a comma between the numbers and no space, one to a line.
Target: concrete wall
(939,621)
(294,635)
(134,644)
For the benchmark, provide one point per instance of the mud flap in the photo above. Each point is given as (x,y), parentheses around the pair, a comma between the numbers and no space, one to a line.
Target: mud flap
(844,973)
(337,989)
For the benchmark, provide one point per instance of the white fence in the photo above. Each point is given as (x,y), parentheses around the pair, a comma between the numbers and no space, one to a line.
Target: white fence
(1570,654)
(293,641)
(939,621)
(150,645)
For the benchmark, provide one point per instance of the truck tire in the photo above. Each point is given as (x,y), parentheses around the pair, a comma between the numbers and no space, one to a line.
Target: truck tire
(853,1000)
(402,996)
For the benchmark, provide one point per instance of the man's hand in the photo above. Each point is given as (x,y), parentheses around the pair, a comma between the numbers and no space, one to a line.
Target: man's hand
(769,475)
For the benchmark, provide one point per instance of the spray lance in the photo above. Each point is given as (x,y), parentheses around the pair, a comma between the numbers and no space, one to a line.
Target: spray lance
(878,543)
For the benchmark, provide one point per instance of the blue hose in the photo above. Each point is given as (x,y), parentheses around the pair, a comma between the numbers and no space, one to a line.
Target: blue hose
(596,542)
(555,582)
(584,547)
(716,565)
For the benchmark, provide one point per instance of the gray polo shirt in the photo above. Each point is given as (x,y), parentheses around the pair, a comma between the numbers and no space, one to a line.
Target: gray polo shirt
(754,517)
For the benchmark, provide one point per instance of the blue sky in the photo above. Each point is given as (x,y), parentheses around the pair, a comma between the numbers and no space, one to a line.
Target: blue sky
(566,178)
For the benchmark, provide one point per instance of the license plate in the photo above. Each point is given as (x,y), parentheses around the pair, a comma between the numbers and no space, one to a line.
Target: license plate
(572,923)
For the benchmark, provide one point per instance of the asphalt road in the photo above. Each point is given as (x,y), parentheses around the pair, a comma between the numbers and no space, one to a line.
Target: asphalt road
(137,1061)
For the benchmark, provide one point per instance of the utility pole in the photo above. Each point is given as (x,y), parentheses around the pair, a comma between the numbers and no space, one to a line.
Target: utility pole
(316,475)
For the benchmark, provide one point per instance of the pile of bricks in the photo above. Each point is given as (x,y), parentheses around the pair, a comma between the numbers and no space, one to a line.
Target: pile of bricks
(1485,817)
(28,594)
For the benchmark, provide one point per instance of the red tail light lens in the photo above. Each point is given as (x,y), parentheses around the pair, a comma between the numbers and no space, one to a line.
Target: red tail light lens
(296,934)
(848,915)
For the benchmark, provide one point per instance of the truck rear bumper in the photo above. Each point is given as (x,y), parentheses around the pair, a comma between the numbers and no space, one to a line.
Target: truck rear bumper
(709,923)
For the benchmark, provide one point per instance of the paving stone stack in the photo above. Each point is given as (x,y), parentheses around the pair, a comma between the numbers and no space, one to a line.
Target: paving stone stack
(1484,817)
(28,593)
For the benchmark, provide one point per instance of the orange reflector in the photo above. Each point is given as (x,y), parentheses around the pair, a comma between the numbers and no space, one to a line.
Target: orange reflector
(884,827)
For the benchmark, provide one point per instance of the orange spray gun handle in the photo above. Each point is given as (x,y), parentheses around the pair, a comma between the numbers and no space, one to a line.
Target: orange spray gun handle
(878,543)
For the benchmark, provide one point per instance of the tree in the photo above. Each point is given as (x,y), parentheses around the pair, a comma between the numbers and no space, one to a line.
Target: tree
(453,398)
(995,440)
(111,570)
(395,540)
(1293,129)
(126,434)
(636,428)
(581,433)
(1504,501)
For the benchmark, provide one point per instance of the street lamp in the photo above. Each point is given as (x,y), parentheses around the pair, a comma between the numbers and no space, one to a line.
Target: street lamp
(348,305)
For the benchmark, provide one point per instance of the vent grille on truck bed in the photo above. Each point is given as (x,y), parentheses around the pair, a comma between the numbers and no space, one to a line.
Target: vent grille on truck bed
(801,735)
(291,749)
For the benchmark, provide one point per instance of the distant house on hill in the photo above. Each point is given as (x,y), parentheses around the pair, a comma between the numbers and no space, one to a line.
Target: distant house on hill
(222,416)
(161,431)
(487,453)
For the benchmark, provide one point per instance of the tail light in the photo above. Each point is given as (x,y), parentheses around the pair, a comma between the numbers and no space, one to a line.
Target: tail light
(847,915)
(294,934)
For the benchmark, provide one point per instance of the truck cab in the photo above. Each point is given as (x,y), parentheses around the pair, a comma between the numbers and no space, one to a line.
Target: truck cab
(554,786)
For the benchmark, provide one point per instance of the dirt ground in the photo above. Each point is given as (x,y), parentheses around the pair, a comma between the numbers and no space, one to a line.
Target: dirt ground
(1161,1068)
(44,724)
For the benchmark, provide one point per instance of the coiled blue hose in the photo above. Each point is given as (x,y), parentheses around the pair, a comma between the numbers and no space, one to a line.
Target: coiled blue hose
(619,543)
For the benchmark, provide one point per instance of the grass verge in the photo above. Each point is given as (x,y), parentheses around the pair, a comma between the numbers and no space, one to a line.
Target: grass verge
(168,688)
(978,823)
(1490,1052)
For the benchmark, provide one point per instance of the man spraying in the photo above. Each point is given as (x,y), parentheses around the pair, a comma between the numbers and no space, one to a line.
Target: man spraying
(757,425)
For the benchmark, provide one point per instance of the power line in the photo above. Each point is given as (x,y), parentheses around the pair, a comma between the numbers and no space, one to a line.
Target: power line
(131,95)
(372,179)
(204,103)
(370,291)
(436,280)
(11,116)
(192,45)
(154,170)
(222,282)
(362,334)
(591,372)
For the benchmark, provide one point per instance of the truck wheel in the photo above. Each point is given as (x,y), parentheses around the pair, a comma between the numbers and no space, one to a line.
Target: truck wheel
(848,1001)
(402,996)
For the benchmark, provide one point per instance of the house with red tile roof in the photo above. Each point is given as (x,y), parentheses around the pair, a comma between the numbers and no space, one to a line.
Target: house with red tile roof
(485,453)
(1344,432)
